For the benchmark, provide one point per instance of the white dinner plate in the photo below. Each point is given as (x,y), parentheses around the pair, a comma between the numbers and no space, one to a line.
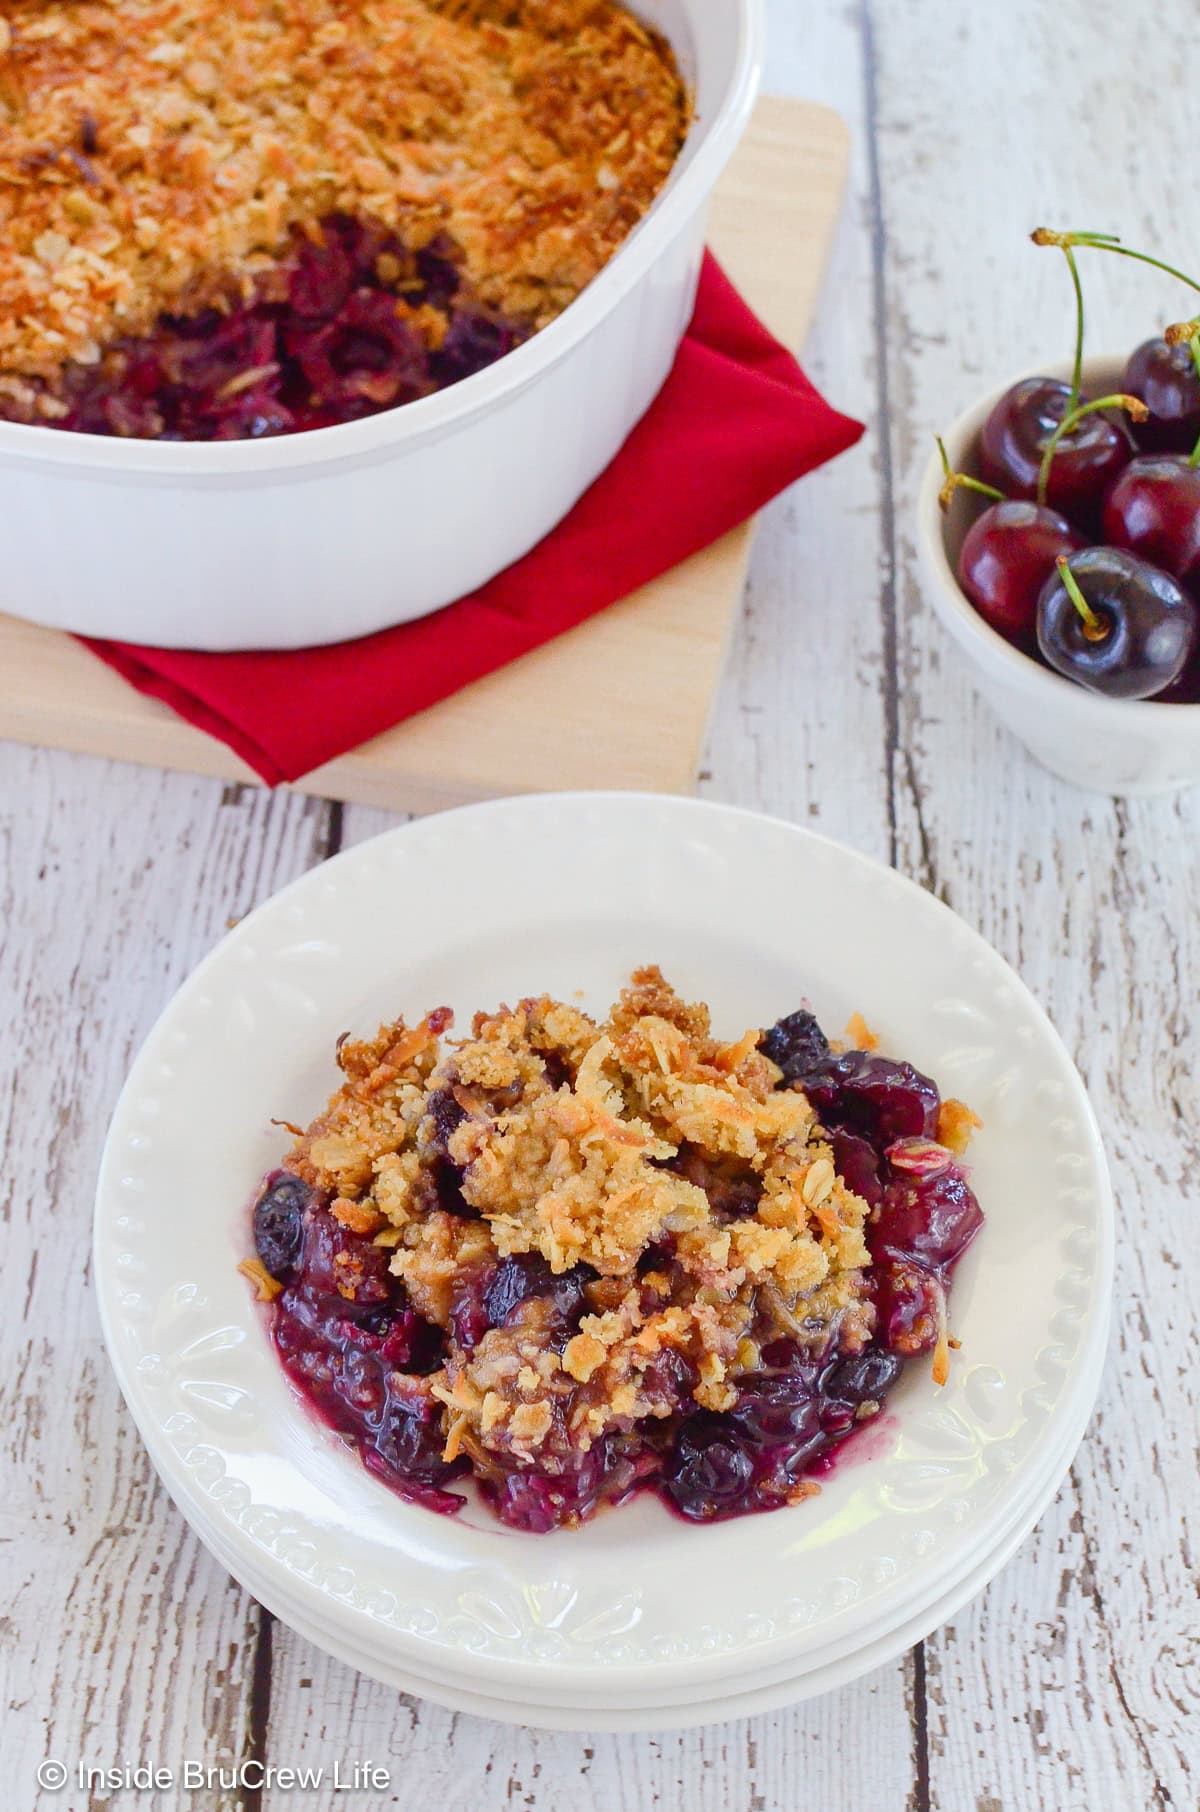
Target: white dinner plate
(568,893)
(626,1710)
(376,1657)
(746,1696)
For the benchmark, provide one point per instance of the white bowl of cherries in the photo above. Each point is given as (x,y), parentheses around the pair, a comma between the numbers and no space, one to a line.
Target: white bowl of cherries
(1059,526)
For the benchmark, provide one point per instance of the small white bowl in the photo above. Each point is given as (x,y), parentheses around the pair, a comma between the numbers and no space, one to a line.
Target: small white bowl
(1116,746)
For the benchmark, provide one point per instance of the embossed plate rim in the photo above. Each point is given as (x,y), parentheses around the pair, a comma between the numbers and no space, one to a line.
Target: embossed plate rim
(489,1605)
(758,1690)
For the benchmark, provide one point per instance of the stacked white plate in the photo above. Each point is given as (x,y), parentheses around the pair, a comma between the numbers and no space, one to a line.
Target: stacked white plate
(638,1620)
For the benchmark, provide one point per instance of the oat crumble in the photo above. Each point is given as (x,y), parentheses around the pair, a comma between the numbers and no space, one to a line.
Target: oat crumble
(578,1246)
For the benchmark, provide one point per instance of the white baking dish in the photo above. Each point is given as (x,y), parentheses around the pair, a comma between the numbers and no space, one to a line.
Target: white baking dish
(333,533)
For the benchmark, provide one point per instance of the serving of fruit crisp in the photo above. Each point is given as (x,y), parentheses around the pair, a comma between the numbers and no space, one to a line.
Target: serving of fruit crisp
(223,220)
(576,1259)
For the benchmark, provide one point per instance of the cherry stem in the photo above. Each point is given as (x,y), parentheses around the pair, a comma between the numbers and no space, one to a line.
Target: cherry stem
(1123,251)
(1132,404)
(1093,628)
(1109,242)
(1065,241)
(963,480)
(1077,371)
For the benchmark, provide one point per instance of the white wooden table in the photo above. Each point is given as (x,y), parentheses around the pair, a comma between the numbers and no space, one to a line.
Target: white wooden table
(1073,1682)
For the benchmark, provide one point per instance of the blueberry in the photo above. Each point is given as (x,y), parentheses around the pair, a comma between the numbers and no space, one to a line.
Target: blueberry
(710,1473)
(475,339)
(438,271)
(490,1297)
(861,1377)
(347,1272)
(558,1073)
(379,1323)
(448,1181)
(733,1191)
(797,1044)
(321,278)
(447,1116)
(279,1223)
(777,1408)
(516,1279)
(413,1445)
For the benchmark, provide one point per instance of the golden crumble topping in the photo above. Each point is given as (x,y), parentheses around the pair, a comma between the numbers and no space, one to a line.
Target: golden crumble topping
(702,1199)
(155,154)
(579,1257)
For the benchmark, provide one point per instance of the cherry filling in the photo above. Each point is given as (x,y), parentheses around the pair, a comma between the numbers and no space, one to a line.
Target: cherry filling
(345,325)
(355,1348)
(787,1418)
(350,1343)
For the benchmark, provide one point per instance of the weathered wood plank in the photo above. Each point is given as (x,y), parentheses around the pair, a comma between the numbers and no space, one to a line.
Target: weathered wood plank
(123,1639)
(323,1711)
(800,722)
(1074,1677)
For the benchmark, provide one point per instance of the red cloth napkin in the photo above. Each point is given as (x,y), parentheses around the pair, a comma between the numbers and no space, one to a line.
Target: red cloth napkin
(736,422)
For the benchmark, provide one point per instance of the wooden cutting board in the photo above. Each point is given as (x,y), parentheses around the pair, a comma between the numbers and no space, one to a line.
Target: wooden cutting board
(621,701)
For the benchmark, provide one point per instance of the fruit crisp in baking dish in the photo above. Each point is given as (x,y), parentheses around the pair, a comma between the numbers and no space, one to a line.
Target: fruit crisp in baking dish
(576,1259)
(222,219)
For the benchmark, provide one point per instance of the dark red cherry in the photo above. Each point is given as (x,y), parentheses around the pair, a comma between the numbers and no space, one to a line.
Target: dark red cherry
(1006,558)
(927,1220)
(1115,624)
(909,1302)
(344,1270)
(1153,508)
(1165,378)
(876,1097)
(1087,460)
